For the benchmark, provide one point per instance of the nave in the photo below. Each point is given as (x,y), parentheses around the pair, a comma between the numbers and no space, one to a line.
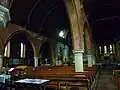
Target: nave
(33,40)
(64,78)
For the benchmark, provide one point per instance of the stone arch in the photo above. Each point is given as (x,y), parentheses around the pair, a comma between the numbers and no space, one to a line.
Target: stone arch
(51,51)
(74,9)
(86,26)
(87,35)
(17,32)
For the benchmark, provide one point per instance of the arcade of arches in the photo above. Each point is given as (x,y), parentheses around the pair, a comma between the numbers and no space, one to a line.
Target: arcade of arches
(19,46)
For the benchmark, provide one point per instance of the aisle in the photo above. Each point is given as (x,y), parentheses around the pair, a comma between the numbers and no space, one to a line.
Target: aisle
(106,81)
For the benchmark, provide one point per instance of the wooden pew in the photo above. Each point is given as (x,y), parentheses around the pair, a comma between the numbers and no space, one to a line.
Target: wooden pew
(116,75)
(61,75)
(66,79)
(64,76)
(42,68)
(118,81)
(86,68)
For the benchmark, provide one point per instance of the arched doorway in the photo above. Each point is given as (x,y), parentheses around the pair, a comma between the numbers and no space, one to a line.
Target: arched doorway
(45,54)
(18,51)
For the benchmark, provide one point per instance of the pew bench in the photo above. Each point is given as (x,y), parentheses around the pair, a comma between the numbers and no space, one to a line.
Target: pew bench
(67,80)
(58,79)
(65,76)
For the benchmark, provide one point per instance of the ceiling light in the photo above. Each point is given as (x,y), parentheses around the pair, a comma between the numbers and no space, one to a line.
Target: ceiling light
(61,34)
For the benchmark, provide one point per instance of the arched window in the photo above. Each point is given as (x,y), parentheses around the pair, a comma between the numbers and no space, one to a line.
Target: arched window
(5,53)
(100,50)
(22,50)
(21,54)
(105,50)
(111,49)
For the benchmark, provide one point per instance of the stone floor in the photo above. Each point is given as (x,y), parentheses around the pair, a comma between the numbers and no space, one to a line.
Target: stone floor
(106,81)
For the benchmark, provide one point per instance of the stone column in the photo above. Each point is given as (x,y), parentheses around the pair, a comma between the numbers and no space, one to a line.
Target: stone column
(93,51)
(1,61)
(117,50)
(89,47)
(78,61)
(94,61)
(36,61)
(75,13)
(102,52)
(108,49)
(113,48)
(90,60)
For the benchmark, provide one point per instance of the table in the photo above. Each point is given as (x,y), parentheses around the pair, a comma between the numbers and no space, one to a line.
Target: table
(39,83)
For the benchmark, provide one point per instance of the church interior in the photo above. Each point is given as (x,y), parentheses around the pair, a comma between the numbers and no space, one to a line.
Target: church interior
(59,45)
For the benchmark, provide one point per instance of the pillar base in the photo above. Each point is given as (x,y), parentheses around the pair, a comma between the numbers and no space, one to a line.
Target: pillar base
(78,61)
(90,60)
(94,60)
(36,61)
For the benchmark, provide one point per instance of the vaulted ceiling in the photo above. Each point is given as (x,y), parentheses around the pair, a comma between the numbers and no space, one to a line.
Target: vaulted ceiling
(46,17)
(49,17)
(104,18)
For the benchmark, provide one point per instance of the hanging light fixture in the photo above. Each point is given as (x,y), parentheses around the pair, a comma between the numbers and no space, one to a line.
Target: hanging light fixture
(63,33)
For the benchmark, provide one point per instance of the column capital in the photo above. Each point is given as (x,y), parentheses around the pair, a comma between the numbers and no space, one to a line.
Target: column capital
(78,51)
